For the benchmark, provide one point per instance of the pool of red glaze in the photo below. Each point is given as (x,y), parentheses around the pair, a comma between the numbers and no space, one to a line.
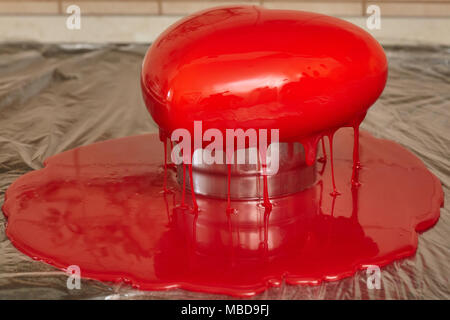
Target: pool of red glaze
(103,207)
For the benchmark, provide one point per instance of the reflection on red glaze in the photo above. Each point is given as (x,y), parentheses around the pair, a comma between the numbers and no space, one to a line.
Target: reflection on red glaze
(103,207)
(249,67)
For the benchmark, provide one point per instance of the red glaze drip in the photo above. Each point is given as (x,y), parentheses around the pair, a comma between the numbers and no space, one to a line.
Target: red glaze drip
(230,250)
(183,196)
(330,141)
(310,146)
(163,139)
(356,162)
(324,153)
(267,210)
(166,201)
(165,165)
(101,207)
(266,202)
(229,209)
(191,182)
(262,151)
(193,241)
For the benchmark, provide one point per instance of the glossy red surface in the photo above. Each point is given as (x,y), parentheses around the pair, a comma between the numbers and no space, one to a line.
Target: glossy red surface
(248,67)
(102,207)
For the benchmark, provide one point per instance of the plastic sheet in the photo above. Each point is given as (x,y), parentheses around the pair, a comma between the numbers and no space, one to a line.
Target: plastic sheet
(57,97)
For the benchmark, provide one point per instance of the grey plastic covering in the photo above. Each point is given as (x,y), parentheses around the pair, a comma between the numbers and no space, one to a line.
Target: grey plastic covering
(57,97)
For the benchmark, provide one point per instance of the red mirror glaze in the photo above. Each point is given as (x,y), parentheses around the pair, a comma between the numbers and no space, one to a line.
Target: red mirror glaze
(249,67)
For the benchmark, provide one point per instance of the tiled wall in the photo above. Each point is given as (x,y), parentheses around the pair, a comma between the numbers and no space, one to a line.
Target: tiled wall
(395,8)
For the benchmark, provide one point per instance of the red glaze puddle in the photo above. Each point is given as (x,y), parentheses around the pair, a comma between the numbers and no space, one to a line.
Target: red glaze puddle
(102,207)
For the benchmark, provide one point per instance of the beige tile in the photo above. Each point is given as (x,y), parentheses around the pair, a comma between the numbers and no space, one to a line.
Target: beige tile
(28,7)
(400,9)
(330,8)
(187,7)
(114,7)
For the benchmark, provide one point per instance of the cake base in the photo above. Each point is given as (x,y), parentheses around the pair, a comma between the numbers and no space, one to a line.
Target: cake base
(102,207)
